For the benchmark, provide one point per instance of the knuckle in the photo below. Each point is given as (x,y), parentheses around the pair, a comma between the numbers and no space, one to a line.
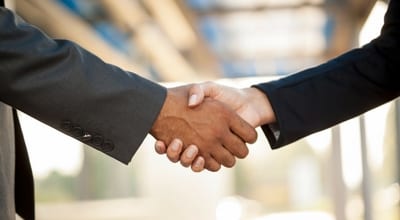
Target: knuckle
(217,129)
(221,133)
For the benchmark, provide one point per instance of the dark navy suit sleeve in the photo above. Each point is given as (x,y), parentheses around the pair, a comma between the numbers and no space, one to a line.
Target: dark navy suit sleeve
(72,90)
(345,87)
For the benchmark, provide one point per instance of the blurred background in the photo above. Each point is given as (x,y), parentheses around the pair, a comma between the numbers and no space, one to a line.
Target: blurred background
(349,172)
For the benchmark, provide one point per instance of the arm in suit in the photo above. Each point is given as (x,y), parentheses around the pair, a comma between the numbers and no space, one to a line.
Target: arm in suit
(340,89)
(70,89)
(317,98)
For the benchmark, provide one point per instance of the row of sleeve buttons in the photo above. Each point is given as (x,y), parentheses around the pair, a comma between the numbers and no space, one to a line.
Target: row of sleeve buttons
(87,137)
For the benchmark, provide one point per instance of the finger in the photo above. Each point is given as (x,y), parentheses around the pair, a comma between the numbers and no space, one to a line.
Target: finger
(242,129)
(198,164)
(211,164)
(174,150)
(188,155)
(235,145)
(224,157)
(160,147)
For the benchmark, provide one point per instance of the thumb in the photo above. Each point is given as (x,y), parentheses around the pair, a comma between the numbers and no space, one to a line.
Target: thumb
(196,95)
(198,92)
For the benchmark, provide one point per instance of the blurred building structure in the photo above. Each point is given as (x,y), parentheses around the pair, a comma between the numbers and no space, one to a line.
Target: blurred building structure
(177,40)
(349,172)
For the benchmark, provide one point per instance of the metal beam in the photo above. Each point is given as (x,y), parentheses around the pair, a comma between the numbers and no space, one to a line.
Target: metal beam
(153,44)
(53,19)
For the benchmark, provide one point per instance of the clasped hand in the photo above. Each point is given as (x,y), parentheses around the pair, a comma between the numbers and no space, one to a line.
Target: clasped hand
(206,125)
(213,130)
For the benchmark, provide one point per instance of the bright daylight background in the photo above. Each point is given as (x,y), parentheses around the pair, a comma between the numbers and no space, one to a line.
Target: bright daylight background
(348,172)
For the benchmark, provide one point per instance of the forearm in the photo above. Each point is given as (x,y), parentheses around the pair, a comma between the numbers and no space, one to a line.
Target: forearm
(340,89)
(72,90)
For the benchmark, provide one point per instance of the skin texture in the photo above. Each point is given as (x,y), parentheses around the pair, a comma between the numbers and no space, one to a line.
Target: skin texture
(249,103)
(218,133)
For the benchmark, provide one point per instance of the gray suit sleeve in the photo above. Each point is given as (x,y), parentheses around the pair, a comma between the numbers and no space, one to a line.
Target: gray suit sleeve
(72,90)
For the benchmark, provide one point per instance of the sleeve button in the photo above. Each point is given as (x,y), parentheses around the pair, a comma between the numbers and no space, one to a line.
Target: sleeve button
(66,126)
(108,146)
(97,140)
(77,132)
(86,137)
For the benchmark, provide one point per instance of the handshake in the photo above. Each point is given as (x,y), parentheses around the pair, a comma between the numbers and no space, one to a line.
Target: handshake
(207,125)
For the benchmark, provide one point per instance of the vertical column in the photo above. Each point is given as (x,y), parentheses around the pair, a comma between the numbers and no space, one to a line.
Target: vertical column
(397,112)
(338,187)
(366,178)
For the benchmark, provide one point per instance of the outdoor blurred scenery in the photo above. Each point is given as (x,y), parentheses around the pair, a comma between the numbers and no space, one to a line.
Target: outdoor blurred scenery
(349,172)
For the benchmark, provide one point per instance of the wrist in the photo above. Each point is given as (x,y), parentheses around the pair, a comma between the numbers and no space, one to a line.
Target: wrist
(157,124)
(261,105)
(172,109)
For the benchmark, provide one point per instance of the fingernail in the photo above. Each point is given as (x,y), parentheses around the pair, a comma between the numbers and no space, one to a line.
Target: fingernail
(191,152)
(158,147)
(198,163)
(175,145)
(192,99)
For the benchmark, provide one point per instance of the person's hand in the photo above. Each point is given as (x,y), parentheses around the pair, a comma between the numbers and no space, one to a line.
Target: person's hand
(218,132)
(250,103)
